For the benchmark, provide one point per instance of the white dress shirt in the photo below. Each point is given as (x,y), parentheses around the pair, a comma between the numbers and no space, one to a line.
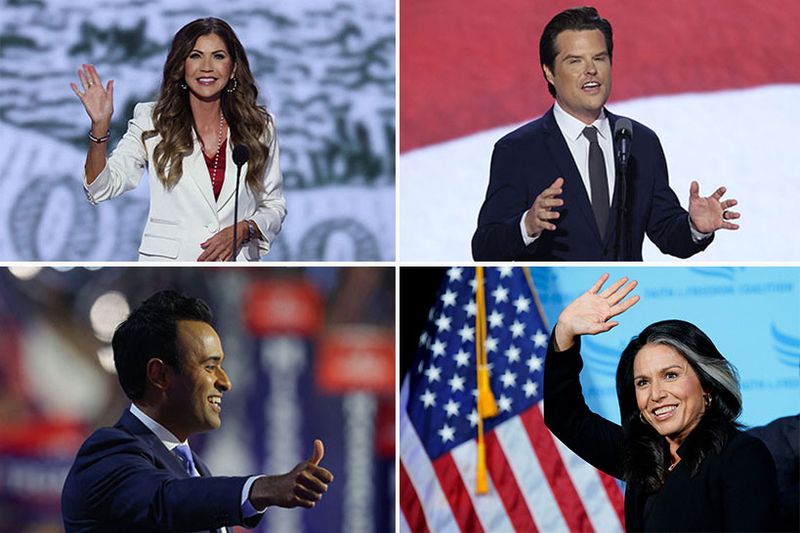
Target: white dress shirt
(170,441)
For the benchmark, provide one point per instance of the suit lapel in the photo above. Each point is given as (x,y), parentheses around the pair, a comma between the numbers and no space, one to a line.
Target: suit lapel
(229,184)
(194,167)
(575,194)
(164,457)
(200,465)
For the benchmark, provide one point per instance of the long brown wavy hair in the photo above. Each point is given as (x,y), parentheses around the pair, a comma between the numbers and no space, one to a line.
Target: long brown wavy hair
(172,115)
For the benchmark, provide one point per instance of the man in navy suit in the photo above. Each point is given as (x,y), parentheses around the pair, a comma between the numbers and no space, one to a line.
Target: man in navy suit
(141,475)
(554,189)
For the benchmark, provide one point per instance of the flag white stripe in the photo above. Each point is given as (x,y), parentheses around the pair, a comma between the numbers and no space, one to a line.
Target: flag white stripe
(590,489)
(420,472)
(488,507)
(532,482)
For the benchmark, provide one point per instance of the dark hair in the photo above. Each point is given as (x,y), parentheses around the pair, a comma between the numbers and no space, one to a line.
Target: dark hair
(577,19)
(172,117)
(646,453)
(150,331)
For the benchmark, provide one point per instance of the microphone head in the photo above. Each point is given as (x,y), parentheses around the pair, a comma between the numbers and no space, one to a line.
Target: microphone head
(241,154)
(623,127)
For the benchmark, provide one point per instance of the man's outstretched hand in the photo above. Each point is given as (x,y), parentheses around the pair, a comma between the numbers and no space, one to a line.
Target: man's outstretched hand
(711,213)
(302,487)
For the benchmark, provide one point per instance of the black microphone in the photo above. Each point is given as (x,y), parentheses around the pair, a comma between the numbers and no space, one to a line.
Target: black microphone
(240,156)
(623,136)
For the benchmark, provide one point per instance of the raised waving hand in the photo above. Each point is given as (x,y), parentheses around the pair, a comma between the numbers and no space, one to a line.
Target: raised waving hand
(592,311)
(97,100)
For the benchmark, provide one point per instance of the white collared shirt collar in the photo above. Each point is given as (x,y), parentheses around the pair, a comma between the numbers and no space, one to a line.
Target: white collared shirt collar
(572,128)
(164,435)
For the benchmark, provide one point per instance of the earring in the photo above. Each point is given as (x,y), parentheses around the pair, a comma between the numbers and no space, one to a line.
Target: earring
(641,417)
(707,398)
(184,86)
(235,84)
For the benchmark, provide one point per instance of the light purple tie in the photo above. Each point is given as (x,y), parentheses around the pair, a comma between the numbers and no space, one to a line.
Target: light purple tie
(184,455)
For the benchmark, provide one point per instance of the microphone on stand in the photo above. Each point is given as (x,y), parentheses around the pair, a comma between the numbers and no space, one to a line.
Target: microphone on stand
(240,156)
(623,139)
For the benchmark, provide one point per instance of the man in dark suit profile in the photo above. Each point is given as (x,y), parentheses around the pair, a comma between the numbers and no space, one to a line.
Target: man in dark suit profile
(554,190)
(141,475)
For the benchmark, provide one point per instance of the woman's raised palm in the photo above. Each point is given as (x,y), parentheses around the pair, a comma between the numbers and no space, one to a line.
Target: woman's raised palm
(591,312)
(98,101)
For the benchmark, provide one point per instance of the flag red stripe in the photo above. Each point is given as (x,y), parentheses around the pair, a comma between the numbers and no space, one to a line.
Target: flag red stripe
(456,493)
(556,473)
(614,496)
(506,485)
(410,504)
(468,69)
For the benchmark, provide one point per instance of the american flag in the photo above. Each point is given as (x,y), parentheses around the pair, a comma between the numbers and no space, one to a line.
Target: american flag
(535,482)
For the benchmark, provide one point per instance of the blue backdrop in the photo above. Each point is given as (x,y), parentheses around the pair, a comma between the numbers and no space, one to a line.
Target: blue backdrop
(751,313)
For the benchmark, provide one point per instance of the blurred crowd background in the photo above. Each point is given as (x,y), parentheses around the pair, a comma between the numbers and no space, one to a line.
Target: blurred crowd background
(310,353)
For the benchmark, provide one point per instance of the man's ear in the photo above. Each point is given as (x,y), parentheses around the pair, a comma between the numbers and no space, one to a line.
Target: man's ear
(548,75)
(159,374)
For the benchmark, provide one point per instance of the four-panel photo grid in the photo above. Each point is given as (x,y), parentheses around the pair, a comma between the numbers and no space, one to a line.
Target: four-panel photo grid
(399,266)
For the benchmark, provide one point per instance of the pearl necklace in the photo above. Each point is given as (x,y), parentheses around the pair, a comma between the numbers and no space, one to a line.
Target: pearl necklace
(216,156)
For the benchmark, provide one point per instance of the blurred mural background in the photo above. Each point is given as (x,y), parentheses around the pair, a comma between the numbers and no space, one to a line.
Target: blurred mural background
(326,70)
(310,353)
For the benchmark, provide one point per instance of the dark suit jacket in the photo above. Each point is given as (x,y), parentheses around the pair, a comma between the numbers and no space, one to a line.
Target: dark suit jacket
(526,161)
(735,490)
(124,479)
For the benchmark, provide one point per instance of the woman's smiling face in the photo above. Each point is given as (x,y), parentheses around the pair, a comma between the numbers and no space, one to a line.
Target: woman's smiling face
(668,391)
(209,67)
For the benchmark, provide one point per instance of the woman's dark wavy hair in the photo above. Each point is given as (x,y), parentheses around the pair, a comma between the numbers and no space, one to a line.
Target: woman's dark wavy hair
(172,117)
(646,455)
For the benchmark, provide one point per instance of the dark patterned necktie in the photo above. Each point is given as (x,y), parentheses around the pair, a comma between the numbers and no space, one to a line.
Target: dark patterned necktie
(598,179)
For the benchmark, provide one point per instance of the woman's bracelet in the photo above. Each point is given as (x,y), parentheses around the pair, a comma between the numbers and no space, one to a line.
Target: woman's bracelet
(99,140)
(251,232)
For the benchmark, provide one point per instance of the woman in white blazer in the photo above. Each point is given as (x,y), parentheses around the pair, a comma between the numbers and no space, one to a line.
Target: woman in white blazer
(206,107)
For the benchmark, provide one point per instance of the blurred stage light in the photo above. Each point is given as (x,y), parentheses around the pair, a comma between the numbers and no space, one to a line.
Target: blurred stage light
(106,357)
(107,312)
(24,272)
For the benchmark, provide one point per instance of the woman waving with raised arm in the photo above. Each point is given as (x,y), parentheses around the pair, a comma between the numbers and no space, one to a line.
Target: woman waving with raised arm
(687,465)
(207,104)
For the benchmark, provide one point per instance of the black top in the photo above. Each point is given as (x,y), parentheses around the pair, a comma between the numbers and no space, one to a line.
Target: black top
(734,490)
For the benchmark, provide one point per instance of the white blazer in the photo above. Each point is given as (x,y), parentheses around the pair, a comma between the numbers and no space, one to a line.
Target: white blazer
(186,216)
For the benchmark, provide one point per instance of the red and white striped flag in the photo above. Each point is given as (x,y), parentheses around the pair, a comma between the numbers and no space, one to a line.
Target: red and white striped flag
(534,482)
(717,80)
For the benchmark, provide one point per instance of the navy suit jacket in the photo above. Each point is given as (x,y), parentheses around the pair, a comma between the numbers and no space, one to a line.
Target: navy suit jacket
(526,161)
(125,480)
